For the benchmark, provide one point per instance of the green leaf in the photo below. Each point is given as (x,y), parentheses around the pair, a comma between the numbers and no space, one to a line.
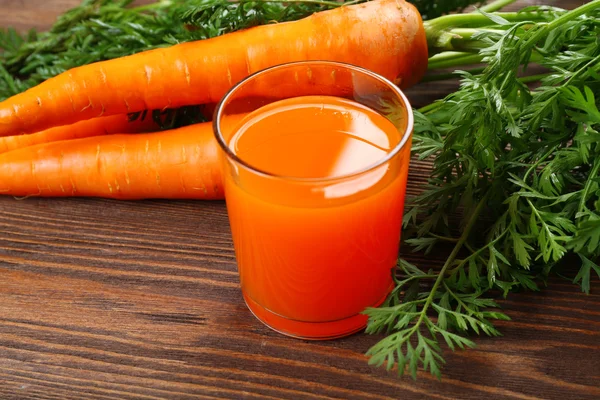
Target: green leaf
(474,276)
(410,217)
(453,339)
(499,255)
(402,361)
(413,364)
(587,237)
(523,279)
(495,18)
(442,321)
(425,244)
(495,315)
(493,269)
(572,97)
(521,249)
(584,275)
(411,293)
(505,286)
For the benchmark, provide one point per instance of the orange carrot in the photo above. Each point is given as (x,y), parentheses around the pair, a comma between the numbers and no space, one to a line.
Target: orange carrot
(180,163)
(385,36)
(92,127)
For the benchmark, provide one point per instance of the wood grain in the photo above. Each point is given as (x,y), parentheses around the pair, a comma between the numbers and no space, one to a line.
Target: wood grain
(26,14)
(103,299)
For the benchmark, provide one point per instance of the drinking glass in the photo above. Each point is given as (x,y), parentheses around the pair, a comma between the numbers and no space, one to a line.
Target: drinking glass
(314,251)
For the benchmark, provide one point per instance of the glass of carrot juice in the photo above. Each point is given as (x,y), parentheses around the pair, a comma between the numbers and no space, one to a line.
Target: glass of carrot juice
(315,158)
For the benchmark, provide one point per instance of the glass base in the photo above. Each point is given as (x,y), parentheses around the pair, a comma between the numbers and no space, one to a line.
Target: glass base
(308,330)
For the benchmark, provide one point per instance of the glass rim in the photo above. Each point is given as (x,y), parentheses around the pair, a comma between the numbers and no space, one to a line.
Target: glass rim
(216,123)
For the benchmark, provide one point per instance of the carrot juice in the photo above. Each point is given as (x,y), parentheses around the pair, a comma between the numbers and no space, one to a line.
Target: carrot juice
(315,214)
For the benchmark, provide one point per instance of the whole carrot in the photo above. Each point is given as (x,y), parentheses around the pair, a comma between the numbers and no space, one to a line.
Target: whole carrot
(385,36)
(107,125)
(180,163)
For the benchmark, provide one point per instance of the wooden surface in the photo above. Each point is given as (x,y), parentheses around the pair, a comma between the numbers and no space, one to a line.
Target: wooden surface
(140,300)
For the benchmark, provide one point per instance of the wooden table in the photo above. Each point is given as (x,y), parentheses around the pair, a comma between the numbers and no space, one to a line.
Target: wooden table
(140,300)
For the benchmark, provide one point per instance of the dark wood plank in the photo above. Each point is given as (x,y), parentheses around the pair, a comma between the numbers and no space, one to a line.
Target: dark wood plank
(153,310)
(103,299)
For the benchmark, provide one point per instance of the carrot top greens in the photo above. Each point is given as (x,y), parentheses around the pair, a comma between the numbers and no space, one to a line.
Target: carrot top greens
(515,189)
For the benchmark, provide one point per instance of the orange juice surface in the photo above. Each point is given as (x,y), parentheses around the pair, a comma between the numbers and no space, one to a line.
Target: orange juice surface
(317,232)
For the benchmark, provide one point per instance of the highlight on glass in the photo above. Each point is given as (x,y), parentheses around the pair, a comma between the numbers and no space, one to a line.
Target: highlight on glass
(315,158)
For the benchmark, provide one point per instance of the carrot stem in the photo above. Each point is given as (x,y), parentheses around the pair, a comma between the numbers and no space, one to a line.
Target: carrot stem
(452,75)
(473,20)
(495,6)
(430,107)
(440,35)
(534,78)
(453,59)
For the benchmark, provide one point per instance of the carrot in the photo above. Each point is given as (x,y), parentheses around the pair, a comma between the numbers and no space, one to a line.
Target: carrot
(92,127)
(180,163)
(385,36)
